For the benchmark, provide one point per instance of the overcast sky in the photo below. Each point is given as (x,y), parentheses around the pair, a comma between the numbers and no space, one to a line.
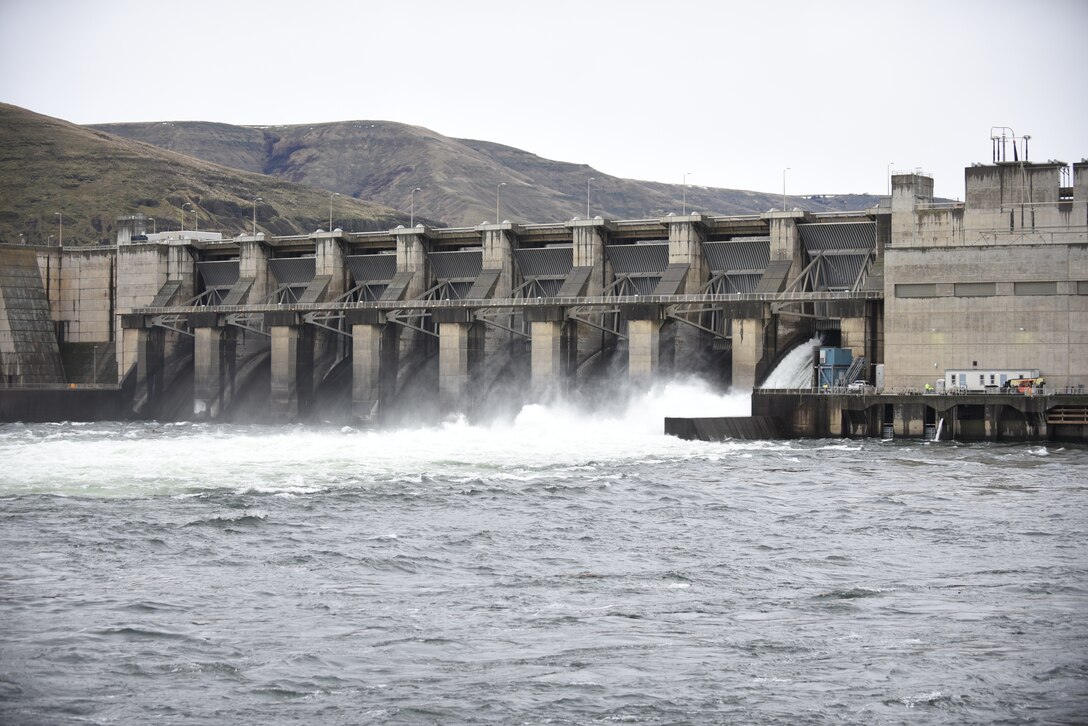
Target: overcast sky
(728,94)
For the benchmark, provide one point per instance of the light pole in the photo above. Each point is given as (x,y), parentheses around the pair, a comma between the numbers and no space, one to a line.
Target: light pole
(412,223)
(784,188)
(334,194)
(255,200)
(686,192)
(587,194)
(499,186)
(60,216)
(183,206)
(890,177)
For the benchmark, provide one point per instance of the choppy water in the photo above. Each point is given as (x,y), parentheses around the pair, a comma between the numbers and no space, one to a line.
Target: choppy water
(560,568)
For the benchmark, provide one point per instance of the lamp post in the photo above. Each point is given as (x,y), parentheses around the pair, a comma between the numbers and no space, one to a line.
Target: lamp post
(497,188)
(412,222)
(334,194)
(255,200)
(686,192)
(784,188)
(60,217)
(587,194)
(183,206)
(889,175)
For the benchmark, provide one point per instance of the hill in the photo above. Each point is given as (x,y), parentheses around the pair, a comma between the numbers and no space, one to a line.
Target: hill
(92,177)
(458,179)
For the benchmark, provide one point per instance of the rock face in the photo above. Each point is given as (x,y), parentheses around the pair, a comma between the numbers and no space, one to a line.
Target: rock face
(458,179)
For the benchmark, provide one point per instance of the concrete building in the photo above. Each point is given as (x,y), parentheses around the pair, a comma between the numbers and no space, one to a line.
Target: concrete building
(915,288)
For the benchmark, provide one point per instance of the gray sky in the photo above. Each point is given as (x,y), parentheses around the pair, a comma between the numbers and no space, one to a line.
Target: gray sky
(728,94)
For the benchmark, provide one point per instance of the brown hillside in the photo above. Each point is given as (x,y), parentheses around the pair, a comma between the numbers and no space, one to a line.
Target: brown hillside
(92,177)
(383,161)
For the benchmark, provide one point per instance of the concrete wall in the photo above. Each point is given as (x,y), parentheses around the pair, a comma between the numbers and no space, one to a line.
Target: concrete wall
(954,327)
(28,345)
(83,297)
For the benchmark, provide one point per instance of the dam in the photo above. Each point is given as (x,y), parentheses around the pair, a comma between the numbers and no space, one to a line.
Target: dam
(192,324)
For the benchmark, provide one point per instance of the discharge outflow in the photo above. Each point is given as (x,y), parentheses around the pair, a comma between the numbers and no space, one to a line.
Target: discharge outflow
(795,370)
(146,459)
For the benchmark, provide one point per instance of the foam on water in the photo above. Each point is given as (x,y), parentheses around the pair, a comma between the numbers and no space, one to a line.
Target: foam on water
(148,459)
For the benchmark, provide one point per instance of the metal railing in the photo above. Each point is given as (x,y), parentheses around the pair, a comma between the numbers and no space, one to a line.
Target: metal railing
(529,302)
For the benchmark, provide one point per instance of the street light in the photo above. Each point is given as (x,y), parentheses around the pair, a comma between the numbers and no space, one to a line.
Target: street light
(257,199)
(412,223)
(334,194)
(784,188)
(686,173)
(500,185)
(183,206)
(60,216)
(890,177)
(587,194)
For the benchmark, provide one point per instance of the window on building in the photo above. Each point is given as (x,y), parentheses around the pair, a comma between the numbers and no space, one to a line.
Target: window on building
(1035,288)
(976,289)
(922,289)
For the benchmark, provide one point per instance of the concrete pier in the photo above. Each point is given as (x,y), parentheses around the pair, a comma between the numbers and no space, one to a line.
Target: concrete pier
(552,361)
(460,351)
(644,351)
(292,368)
(375,357)
(214,366)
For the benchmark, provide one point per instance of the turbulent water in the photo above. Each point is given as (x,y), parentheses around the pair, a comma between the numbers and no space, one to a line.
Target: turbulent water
(795,370)
(561,567)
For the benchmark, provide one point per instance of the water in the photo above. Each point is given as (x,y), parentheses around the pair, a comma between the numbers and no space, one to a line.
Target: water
(796,369)
(562,567)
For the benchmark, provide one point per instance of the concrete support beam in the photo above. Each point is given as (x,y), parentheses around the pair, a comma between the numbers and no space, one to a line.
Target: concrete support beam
(150,364)
(412,248)
(748,347)
(329,260)
(686,237)
(643,350)
(786,239)
(909,421)
(498,254)
(253,256)
(589,239)
(552,361)
(460,350)
(214,368)
(292,371)
(375,356)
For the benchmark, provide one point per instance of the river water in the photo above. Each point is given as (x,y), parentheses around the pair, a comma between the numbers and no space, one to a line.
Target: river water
(560,567)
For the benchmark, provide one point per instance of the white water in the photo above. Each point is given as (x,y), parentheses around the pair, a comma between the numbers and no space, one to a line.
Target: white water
(149,459)
(795,370)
